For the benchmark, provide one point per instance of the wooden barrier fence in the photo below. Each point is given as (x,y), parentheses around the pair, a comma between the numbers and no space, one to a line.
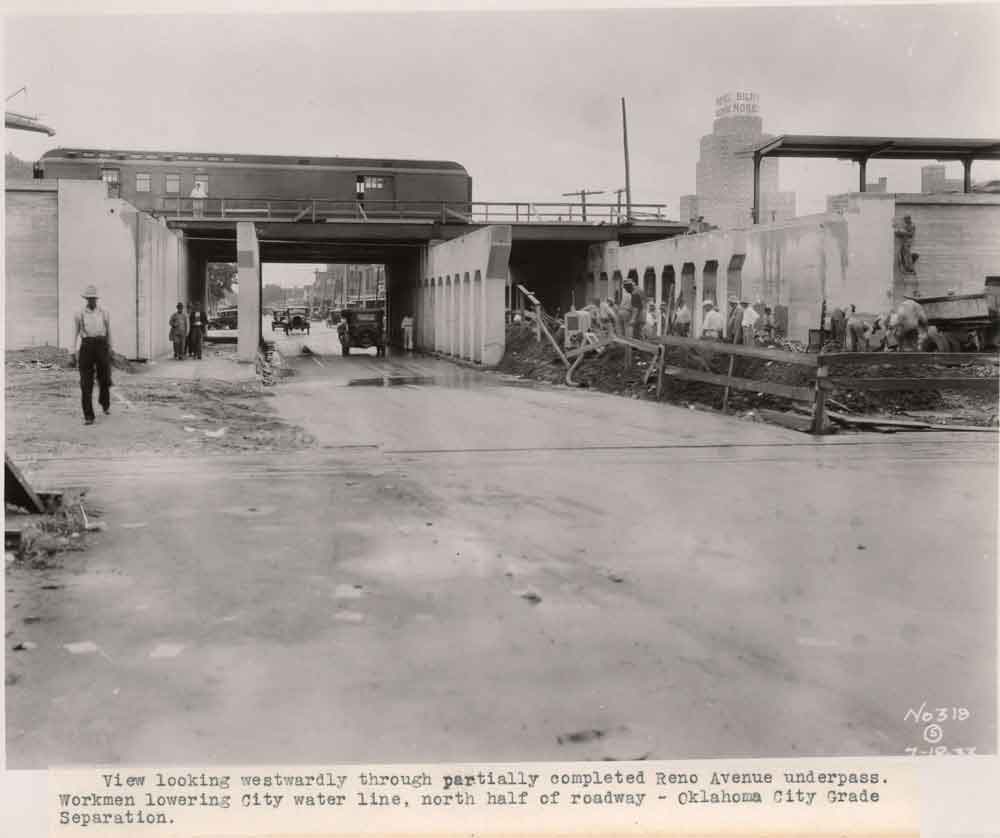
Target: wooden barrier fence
(818,365)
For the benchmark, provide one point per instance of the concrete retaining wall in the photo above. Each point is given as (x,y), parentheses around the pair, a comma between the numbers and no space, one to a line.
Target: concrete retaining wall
(459,299)
(81,237)
(843,258)
(958,239)
(31,263)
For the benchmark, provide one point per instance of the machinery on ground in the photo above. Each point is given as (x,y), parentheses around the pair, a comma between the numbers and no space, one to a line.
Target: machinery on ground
(964,322)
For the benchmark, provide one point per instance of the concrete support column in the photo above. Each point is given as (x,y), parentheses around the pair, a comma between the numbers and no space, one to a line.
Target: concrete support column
(658,297)
(453,320)
(248,299)
(468,324)
(439,314)
(477,317)
(494,325)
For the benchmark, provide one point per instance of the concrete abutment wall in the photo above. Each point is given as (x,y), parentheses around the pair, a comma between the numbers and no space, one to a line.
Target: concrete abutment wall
(64,235)
(458,299)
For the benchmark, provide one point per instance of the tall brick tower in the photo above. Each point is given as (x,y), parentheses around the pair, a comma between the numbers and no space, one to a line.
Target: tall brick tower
(724,181)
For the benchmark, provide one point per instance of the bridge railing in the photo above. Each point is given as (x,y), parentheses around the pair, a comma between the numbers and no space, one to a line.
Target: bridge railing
(317,210)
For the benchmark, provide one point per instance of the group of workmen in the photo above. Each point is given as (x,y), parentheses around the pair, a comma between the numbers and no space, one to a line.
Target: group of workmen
(187,331)
(633,316)
(904,329)
(743,324)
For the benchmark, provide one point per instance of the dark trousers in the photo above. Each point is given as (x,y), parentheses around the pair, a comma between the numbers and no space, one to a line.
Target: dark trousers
(194,342)
(94,356)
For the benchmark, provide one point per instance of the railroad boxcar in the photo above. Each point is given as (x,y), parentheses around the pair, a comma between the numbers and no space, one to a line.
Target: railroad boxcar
(159,181)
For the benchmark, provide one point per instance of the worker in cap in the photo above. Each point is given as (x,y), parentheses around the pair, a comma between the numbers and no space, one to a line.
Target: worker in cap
(179,331)
(92,346)
(712,323)
(734,324)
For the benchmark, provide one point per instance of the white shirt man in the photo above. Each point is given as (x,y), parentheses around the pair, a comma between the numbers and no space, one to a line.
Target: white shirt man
(407,325)
(750,318)
(712,323)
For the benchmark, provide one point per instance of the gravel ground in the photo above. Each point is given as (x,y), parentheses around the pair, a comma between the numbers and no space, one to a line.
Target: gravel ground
(148,415)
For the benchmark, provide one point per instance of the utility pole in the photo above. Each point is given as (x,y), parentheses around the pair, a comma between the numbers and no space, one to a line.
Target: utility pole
(628,182)
(583,193)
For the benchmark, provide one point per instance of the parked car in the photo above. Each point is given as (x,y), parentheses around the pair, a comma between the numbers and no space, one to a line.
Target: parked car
(225,318)
(278,318)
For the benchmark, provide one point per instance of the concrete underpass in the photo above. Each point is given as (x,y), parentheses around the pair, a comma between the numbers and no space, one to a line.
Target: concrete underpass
(449,564)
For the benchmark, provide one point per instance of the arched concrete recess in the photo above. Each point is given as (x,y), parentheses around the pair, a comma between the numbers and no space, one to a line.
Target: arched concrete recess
(464,318)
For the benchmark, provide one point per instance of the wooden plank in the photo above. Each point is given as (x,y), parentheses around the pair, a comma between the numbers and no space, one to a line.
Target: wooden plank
(781,356)
(851,419)
(967,383)
(802,394)
(641,345)
(17,490)
(902,359)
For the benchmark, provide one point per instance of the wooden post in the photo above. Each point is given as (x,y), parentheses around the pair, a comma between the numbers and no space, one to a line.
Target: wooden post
(725,393)
(662,359)
(819,405)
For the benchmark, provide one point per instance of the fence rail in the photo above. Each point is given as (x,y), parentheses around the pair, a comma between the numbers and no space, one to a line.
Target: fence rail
(821,383)
(316,210)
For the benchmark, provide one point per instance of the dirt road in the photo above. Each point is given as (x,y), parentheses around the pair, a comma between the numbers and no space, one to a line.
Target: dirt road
(461,568)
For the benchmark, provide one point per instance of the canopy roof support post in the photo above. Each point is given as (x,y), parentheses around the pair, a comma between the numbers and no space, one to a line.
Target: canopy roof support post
(756,187)
(967,175)
(863,174)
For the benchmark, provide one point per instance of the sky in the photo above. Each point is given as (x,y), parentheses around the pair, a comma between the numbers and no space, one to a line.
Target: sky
(528,102)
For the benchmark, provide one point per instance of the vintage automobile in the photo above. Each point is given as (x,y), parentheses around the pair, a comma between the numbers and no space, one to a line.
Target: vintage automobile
(278,317)
(296,320)
(362,328)
(225,318)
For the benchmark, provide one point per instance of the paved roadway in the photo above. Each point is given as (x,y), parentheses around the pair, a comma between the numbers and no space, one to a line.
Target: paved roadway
(468,569)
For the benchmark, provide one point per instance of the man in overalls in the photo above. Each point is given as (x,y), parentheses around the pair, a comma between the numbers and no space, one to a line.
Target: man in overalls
(93,331)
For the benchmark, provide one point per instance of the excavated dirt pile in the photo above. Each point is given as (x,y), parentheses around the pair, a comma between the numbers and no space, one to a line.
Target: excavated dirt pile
(528,357)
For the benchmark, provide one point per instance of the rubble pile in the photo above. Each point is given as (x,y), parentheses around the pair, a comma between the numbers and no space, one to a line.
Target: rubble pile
(54,358)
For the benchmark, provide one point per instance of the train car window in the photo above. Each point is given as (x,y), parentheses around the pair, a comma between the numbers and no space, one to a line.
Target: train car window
(201,184)
(374,183)
(111,178)
(172,184)
(143,182)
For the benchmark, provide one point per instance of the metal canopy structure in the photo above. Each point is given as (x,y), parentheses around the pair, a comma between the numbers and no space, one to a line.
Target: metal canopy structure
(862,149)
(20,122)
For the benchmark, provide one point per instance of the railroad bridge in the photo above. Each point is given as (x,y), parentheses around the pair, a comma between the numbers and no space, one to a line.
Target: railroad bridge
(448,266)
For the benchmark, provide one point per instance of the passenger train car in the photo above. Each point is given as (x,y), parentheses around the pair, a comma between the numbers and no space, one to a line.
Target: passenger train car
(157,180)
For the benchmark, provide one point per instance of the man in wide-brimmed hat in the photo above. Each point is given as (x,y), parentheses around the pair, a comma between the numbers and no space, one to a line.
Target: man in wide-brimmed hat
(93,342)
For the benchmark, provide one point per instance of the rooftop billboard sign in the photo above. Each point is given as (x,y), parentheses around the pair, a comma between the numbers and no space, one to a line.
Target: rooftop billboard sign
(737,103)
